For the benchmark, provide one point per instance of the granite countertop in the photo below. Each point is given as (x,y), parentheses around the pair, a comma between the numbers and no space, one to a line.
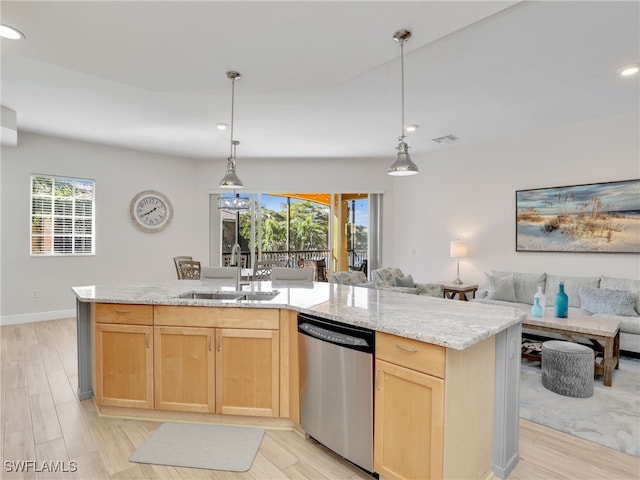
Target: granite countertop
(449,323)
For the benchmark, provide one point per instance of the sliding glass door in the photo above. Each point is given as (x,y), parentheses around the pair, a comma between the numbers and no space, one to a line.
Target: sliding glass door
(293,227)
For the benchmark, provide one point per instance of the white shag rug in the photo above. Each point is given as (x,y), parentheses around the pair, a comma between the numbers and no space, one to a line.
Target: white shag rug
(611,417)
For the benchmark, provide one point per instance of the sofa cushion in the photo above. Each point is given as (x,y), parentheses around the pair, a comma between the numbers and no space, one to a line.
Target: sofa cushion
(406,281)
(623,284)
(524,307)
(384,276)
(430,289)
(347,278)
(501,287)
(525,284)
(571,286)
(629,325)
(604,300)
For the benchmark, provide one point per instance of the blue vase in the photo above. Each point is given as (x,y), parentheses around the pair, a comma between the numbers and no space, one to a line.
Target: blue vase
(561,302)
(536,309)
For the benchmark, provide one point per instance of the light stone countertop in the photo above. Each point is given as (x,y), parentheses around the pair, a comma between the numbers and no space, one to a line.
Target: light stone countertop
(449,323)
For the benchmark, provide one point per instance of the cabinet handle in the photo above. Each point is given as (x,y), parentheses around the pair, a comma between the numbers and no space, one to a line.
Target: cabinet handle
(219,343)
(406,349)
(123,311)
(209,342)
(377,379)
(148,337)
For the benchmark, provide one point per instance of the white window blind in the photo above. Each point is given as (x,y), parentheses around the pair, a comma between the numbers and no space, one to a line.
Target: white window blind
(62,216)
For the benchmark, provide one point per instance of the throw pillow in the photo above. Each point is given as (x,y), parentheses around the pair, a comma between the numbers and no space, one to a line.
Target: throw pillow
(623,284)
(526,284)
(603,300)
(571,286)
(406,281)
(501,287)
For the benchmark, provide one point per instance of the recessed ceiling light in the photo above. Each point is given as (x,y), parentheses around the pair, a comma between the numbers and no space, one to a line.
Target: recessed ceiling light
(412,128)
(222,126)
(629,70)
(11,33)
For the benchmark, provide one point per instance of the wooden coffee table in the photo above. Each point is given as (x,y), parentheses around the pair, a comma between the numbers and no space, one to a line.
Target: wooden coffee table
(577,325)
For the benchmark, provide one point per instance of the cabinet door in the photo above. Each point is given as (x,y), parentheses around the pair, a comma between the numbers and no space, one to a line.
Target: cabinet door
(247,372)
(124,365)
(184,368)
(409,415)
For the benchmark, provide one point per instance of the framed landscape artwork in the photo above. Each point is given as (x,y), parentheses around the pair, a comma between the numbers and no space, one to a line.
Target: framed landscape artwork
(597,217)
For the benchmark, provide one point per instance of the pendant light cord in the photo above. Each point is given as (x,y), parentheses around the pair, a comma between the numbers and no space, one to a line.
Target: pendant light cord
(233,96)
(402,81)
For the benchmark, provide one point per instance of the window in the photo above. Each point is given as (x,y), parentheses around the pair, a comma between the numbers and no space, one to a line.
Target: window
(62,216)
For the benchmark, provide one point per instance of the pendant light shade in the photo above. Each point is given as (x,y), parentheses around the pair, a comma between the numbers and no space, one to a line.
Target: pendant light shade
(403,165)
(231,180)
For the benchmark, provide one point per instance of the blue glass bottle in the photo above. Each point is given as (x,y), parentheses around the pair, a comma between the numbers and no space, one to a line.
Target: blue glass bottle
(561,302)
(536,309)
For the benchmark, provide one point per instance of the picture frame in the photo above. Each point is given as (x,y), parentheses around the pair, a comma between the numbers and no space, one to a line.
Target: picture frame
(594,218)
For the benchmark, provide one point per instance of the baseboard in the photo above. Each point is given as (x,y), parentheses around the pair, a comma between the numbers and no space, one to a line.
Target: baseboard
(36,317)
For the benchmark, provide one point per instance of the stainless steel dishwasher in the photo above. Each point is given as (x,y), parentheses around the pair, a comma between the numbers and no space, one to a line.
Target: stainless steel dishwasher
(336,387)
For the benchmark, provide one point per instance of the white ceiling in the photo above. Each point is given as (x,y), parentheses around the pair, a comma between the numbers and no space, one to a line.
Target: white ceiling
(319,79)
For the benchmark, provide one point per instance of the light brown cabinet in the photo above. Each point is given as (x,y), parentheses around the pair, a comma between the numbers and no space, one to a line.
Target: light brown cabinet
(123,369)
(247,372)
(433,409)
(409,409)
(189,359)
(184,369)
(124,365)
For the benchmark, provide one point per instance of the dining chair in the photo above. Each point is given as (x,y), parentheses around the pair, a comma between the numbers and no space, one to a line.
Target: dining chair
(177,260)
(284,274)
(219,272)
(319,268)
(190,269)
(262,268)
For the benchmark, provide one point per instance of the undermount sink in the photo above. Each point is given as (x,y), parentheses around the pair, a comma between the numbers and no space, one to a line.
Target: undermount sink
(232,295)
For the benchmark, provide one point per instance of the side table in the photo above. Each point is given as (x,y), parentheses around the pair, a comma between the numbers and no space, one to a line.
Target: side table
(450,290)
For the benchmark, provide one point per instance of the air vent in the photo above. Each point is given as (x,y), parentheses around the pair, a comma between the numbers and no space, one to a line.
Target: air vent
(446,139)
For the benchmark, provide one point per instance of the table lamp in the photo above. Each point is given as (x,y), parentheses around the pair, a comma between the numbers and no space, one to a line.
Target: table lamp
(458,250)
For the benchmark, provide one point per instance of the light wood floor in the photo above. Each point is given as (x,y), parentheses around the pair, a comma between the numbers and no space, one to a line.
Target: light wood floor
(42,420)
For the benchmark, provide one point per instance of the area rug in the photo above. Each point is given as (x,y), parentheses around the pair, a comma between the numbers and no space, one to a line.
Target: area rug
(214,447)
(611,417)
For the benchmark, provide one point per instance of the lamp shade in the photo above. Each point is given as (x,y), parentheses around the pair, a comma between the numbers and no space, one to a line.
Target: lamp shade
(458,249)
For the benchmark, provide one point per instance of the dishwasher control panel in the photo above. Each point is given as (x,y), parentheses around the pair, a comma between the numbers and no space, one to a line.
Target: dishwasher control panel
(333,337)
(348,336)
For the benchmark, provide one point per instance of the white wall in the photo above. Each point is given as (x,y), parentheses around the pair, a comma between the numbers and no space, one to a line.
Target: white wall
(466,192)
(469,192)
(123,253)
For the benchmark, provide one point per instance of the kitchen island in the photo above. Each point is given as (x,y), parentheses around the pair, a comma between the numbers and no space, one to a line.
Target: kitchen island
(473,394)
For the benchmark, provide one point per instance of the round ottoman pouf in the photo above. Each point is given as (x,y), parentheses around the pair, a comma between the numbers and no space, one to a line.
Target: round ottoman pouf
(567,368)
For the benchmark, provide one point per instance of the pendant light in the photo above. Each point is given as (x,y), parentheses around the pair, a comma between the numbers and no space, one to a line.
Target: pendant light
(403,165)
(231,180)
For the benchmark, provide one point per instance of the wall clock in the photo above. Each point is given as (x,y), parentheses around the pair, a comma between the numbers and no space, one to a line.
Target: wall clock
(151,211)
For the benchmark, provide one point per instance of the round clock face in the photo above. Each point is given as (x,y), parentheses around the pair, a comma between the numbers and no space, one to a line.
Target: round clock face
(151,211)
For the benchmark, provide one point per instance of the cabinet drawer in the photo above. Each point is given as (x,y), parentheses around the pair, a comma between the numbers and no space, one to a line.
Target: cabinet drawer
(420,356)
(179,316)
(124,314)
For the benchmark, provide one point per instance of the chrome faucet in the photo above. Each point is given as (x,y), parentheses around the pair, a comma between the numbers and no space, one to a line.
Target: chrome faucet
(236,261)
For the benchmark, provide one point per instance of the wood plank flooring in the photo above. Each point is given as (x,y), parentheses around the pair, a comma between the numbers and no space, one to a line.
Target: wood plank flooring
(42,420)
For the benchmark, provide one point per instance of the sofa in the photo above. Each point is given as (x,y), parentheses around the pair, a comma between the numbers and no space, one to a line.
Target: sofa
(600,296)
(387,279)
